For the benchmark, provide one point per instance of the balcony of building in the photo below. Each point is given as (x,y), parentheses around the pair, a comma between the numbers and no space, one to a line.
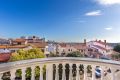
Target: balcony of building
(71,69)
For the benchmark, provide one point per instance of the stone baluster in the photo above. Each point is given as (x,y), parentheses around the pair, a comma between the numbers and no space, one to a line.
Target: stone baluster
(93,72)
(113,73)
(47,68)
(23,73)
(12,72)
(49,72)
(63,73)
(102,72)
(41,72)
(70,73)
(85,72)
(33,73)
(1,75)
(57,74)
(77,74)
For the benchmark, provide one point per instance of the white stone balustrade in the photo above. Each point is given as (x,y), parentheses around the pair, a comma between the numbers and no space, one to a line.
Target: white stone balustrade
(49,62)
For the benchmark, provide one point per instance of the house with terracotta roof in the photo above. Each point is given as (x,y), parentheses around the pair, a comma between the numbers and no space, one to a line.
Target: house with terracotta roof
(19,41)
(81,47)
(62,48)
(37,42)
(65,48)
(59,48)
(32,41)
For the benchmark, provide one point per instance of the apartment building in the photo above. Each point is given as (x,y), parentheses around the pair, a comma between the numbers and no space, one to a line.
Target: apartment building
(99,48)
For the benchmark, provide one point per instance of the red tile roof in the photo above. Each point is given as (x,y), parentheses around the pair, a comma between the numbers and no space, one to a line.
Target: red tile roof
(19,40)
(79,46)
(63,44)
(2,46)
(9,46)
(4,57)
(17,46)
(75,45)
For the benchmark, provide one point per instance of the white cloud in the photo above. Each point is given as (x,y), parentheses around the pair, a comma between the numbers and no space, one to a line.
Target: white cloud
(108,28)
(94,13)
(108,2)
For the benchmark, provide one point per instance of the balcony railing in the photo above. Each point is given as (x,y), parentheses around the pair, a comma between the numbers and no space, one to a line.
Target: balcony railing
(52,73)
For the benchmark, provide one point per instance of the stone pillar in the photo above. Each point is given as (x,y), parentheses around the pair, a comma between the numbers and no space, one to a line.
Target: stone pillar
(93,72)
(33,73)
(63,72)
(113,73)
(12,72)
(70,73)
(41,72)
(102,72)
(49,72)
(1,75)
(57,74)
(77,74)
(85,72)
(23,73)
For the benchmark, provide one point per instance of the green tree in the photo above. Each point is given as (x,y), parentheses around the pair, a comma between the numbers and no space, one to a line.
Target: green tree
(116,56)
(53,55)
(28,54)
(74,54)
(117,48)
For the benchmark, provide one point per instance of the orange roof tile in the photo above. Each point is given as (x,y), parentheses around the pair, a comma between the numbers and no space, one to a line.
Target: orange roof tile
(19,40)
(8,46)
(2,46)
(63,44)
(17,46)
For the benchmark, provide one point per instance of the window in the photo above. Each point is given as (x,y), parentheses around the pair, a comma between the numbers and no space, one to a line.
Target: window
(68,49)
(81,50)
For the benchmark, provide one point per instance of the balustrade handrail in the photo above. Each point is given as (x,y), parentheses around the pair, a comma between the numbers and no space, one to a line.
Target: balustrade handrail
(23,63)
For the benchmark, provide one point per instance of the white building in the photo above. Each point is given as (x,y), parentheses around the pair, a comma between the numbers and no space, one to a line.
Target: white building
(100,47)
(50,48)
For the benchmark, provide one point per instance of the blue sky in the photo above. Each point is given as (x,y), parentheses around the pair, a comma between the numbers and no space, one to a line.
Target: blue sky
(61,20)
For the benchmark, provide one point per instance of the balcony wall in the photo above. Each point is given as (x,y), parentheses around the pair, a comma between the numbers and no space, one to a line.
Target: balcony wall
(109,70)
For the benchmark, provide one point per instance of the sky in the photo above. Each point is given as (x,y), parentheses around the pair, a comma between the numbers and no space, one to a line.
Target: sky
(61,20)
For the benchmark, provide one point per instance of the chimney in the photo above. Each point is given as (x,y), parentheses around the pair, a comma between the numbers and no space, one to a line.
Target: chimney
(99,40)
(96,40)
(84,41)
(105,43)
